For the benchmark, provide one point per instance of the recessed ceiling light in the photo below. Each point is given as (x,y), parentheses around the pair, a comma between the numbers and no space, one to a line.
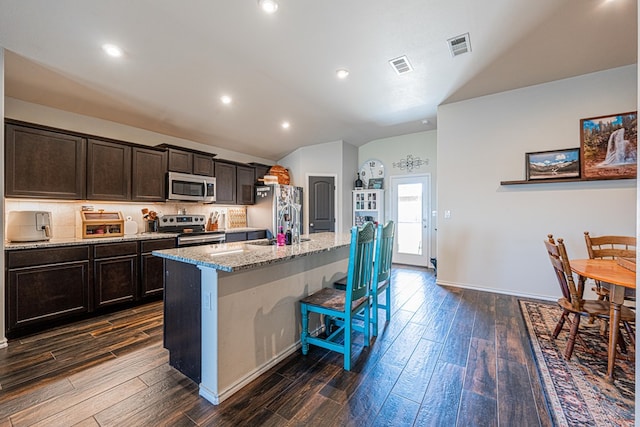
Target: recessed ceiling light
(112,50)
(268,6)
(285,125)
(342,73)
(225,99)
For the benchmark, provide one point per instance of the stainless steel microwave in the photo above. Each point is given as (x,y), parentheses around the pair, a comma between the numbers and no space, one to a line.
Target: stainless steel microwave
(193,188)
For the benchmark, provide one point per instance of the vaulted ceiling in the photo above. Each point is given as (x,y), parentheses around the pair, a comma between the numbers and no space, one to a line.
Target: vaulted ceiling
(181,57)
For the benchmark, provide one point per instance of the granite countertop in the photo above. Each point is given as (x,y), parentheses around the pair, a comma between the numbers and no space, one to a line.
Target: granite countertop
(238,256)
(74,241)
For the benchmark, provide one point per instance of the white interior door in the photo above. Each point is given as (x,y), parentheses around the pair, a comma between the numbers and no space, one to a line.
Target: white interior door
(410,206)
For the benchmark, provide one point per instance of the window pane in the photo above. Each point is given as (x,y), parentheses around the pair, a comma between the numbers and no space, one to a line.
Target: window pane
(409,234)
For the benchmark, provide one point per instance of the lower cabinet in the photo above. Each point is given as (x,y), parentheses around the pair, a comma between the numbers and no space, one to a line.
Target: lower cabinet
(241,236)
(152,277)
(115,273)
(48,287)
(44,286)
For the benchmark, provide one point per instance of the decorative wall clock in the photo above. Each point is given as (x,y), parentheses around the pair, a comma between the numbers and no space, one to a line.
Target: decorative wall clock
(371,168)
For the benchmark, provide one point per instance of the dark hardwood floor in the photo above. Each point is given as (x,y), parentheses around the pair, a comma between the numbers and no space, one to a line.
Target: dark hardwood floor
(448,357)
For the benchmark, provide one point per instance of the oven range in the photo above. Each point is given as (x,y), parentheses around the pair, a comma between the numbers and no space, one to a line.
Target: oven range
(190,229)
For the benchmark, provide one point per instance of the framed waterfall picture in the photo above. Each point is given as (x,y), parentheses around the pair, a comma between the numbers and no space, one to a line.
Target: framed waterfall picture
(609,146)
(554,164)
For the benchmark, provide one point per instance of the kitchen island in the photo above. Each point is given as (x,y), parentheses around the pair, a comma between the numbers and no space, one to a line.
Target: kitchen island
(231,310)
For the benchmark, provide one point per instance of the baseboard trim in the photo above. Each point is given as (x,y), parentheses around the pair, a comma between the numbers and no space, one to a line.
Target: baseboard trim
(496,291)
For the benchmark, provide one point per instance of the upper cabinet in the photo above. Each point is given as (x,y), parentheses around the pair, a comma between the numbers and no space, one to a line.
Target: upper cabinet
(192,162)
(44,164)
(149,175)
(245,185)
(108,171)
(226,182)
(48,163)
(261,170)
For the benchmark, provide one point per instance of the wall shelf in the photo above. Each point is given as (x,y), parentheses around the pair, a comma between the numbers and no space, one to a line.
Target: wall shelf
(552,181)
(542,181)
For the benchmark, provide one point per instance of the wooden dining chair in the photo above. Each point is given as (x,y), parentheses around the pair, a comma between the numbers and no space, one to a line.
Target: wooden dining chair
(611,247)
(383,278)
(571,300)
(382,262)
(343,305)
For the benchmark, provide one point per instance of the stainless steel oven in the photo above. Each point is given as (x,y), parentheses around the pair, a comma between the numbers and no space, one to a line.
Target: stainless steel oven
(190,229)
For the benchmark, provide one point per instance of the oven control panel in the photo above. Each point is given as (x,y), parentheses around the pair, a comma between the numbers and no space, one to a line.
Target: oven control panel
(173,223)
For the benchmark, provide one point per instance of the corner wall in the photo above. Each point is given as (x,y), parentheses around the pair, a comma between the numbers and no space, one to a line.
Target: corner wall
(494,238)
(331,158)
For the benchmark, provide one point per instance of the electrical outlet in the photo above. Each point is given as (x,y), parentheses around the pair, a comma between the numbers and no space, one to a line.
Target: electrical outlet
(447,214)
(206,300)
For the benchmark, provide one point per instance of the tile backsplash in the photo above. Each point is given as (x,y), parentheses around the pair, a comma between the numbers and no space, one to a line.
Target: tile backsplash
(65,215)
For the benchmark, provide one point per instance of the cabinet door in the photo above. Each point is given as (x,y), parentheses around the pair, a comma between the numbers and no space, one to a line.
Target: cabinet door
(149,175)
(152,277)
(202,165)
(245,188)
(36,296)
(225,183)
(108,171)
(180,161)
(44,164)
(115,280)
(261,170)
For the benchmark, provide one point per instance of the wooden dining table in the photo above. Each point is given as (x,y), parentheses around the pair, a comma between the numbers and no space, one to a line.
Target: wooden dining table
(619,278)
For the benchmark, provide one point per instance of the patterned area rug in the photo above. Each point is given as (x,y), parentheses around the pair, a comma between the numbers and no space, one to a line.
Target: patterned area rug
(576,391)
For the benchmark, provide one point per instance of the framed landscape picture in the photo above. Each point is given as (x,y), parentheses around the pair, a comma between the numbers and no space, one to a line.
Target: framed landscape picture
(554,164)
(609,146)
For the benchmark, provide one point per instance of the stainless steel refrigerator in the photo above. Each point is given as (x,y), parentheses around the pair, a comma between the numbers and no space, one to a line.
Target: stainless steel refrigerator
(276,205)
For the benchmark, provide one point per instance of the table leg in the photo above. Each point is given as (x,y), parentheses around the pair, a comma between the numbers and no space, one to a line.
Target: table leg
(616,297)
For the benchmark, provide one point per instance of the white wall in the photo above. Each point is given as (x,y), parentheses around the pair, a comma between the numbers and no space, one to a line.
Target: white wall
(331,158)
(393,150)
(34,113)
(493,239)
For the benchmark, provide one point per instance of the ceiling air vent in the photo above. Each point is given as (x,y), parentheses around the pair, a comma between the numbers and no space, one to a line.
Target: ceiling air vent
(459,45)
(401,65)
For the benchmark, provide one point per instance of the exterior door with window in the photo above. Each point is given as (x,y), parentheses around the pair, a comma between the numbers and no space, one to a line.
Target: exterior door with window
(410,206)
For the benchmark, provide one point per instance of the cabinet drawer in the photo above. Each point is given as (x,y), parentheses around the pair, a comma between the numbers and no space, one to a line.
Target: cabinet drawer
(239,236)
(156,245)
(33,257)
(254,235)
(115,249)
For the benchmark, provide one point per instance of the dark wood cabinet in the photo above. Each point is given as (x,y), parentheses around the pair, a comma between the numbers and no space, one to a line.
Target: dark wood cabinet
(45,286)
(261,170)
(203,164)
(225,174)
(42,163)
(190,162)
(180,161)
(108,170)
(115,273)
(182,318)
(152,277)
(245,185)
(241,236)
(149,175)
